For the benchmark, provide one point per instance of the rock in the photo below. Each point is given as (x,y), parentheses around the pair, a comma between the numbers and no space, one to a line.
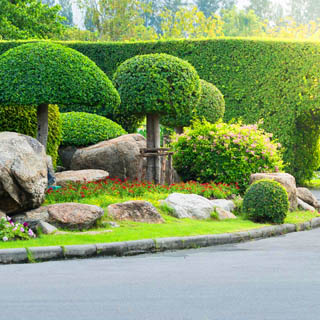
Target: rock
(286,179)
(305,206)
(2,215)
(139,211)
(65,215)
(23,172)
(224,204)
(111,224)
(306,195)
(46,227)
(224,214)
(51,174)
(82,176)
(119,156)
(189,206)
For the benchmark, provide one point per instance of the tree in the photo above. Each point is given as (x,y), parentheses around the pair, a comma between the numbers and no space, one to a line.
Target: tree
(45,73)
(66,12)
(23,19)
(262,8)
(209,7)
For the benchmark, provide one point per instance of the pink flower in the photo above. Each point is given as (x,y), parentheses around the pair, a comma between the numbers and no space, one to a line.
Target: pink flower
(22,229)
(5,238)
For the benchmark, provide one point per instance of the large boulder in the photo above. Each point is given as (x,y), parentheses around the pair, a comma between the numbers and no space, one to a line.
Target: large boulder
(71,216)
(139,211)
(306,195)
(305,206)
(285,179)
(82,176)
(23,172)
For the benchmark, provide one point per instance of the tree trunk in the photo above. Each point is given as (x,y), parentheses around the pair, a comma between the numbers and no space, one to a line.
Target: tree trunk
(42,115)
(153,141)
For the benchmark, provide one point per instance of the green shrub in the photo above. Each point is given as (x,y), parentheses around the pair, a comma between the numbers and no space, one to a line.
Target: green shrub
(157,84)
(224,152)
(266,201)
(24,120)
(211,107)
(84,129)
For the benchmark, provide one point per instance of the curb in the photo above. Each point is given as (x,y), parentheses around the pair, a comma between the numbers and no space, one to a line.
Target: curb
(128,248)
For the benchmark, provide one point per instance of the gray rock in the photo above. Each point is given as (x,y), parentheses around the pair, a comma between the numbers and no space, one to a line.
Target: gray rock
(2,214)
(224,214)
(305,206)
(51,174)
(189,206)
(47,228)
(81,176)
(306,195)
(227,205)
(111,224)
(139,211)
(23,173)
(287,180)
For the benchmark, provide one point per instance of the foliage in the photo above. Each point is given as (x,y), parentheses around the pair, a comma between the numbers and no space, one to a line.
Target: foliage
(157,83)
(23,119)
(50,73)
(224,152)
(14,231)
(25,19)
(84,129)
(211,107)
(266,201)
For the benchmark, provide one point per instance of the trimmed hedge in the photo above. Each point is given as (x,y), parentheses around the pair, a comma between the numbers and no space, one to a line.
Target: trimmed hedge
(266,201)
(84,129)
(260,79)
(24,120)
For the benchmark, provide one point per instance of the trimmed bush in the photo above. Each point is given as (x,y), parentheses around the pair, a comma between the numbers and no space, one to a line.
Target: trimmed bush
(227,153)
(157,84)
(24,120)
(211,107)
(84,129)
(266,201)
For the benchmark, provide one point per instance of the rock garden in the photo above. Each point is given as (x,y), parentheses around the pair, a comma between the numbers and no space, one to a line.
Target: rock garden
(75,170)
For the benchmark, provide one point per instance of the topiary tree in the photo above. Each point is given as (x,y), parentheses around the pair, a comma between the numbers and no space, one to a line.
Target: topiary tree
(266,201)
(23,120)
(155,85)
(43,73)
(84,129)
(211,107)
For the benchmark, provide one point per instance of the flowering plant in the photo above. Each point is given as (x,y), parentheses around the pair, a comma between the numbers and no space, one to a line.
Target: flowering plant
(14,231)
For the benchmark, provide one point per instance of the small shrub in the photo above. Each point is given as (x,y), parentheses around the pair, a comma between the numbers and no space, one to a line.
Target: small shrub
(224,152)
(266,201)
(10,230)
(23,120)
(84,129)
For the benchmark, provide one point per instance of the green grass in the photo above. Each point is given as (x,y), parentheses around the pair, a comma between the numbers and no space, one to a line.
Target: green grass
(314,183)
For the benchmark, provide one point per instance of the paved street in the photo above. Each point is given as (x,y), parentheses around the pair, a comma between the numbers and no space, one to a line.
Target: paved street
(277,278)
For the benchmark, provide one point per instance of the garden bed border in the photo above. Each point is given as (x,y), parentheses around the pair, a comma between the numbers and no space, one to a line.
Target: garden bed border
(135,247)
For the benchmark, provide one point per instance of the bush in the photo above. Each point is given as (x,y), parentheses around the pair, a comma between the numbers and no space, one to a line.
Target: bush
(157,84)
(224,152)
(266,201)
(10,230)
(211,107)
(84,129)
(24,120)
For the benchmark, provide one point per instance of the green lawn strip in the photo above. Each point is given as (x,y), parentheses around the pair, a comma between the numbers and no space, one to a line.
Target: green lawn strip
(171,228)
(314,183)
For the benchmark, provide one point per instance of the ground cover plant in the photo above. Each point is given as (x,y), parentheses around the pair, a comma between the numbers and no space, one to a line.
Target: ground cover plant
(10,230)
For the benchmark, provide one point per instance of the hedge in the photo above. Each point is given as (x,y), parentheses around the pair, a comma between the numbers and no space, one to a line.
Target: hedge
(260,79)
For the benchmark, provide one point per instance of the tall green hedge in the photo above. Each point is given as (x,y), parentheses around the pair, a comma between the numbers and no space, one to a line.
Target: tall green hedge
(277,81)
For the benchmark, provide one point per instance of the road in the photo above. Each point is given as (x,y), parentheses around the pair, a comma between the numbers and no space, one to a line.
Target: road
(276,278)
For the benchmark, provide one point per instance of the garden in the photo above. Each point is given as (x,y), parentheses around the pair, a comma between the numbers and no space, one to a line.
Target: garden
(151,150)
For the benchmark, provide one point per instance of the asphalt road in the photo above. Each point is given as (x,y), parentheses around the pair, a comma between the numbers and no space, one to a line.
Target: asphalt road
(276,278)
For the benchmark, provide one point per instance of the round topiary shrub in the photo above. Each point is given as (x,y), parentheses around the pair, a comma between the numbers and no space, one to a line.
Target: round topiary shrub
(266,201)
(227,153)
(24,120)
(84,129)
(211,107)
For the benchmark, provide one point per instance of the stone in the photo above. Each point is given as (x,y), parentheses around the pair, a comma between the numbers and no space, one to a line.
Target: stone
(224,214)
(119,156)
(63,215)
(82,176)
(305,206)
(51,174)
(47,228)
(189,206)
(139,211)
(306,195)
(2,214)
(224,204)
(285,179)
(23,173)
(111,224)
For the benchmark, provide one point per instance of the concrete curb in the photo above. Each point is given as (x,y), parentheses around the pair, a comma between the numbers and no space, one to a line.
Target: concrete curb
(126,248)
